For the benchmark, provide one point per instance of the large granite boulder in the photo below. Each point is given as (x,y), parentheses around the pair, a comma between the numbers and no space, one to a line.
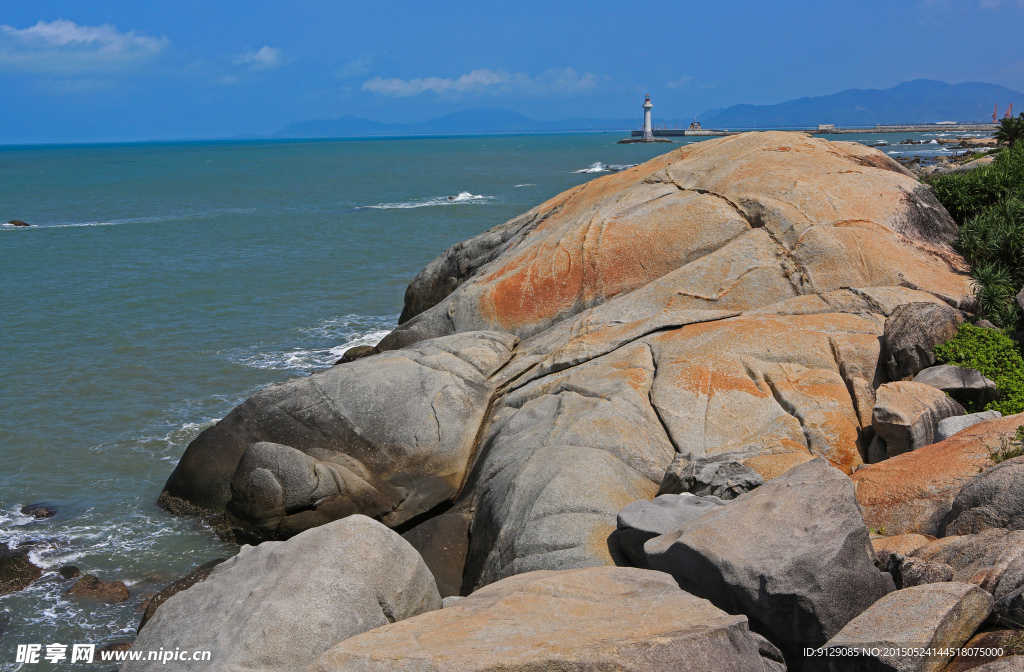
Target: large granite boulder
(939,617)
(603,618)
(964,385)
(911,333)
(994,498)
(914,492)
(278,605)
(793,556)
(907,414)
(739,222)
(642,521)
(394,432)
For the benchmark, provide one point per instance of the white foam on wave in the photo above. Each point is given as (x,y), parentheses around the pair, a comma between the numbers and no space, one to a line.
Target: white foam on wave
(523,185)
(319,346)
(462,198)
(596,167)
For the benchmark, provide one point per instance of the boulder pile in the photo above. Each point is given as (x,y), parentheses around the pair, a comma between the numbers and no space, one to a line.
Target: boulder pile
(659,417)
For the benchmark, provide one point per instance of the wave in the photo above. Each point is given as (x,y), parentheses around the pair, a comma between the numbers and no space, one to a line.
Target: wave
(462,198)
(516,186)
(596,167)
(321,348)
(131,220)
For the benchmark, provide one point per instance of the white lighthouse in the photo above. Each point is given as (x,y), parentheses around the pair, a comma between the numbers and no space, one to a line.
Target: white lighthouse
(648,135)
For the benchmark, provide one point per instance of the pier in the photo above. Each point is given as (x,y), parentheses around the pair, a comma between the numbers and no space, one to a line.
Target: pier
(829,130)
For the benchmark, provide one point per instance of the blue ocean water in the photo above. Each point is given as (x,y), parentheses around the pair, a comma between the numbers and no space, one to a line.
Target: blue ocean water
(161,284)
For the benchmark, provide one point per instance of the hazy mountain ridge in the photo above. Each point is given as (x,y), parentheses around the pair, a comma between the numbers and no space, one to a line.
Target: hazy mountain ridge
(918,101)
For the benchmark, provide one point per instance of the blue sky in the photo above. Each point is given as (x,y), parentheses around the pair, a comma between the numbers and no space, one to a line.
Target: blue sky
(118,70)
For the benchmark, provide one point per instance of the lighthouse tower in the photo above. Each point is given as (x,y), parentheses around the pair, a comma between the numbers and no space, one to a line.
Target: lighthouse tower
(648,135)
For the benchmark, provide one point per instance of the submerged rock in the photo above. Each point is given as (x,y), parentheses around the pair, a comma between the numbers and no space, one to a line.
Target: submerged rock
(39,511)
(278,605)
(793,556)
(603,618)
(18,222)
(16,571)
(96,588)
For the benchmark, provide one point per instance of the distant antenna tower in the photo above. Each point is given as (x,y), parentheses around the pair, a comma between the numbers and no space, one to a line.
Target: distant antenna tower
(1009,112)
(995,114)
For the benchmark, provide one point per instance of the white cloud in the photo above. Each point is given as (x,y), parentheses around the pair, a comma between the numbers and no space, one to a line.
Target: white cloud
(679,83)
(356,68)
(266,58)
(555,81)
(65,47)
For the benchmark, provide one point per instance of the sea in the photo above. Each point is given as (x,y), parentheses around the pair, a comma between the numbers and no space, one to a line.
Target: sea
(160,284)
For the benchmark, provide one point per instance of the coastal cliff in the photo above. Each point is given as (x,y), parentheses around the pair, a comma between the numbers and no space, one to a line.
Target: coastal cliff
(727,302)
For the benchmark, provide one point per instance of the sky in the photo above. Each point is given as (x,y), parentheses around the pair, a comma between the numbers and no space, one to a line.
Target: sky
(97,71)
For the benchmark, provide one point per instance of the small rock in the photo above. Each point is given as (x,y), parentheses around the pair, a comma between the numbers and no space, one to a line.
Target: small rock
(643,520)
(18,222)
(198,574)
(994,498)
(911,333)
(39,511)
(906,415)
(964,385)
(940,616)
(16,571)
(94,587)
(950,426)
(68,572)
(357,352)
(1020,299)
(907,572)
(449,601)
(706,477)
(985,324)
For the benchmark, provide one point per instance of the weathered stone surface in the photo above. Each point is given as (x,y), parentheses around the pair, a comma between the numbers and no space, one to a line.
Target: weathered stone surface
(907,414)
(278,605)
(907,572)
(744,220)
(904,544)
(443,541)
(39,511)
(96,588)
(993,559)
(793,556)
(994,498)
(911,333)
(643,520)
(200,573)
(951,426)
(1008,664)
(938,615)
(962,384)
(603,618)
(914,492)
(723,479)
(1020,299)
(16,571)
(399,426)
(983,648)
(357,352)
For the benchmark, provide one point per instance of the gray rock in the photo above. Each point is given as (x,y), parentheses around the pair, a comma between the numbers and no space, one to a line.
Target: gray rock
(964,385)
(1009,610)
(757,556)
(941,616)
(403,421)
(994,498)
(877,450)
(911,333)
(993,559)
(723,479)
(958,423)
(200,573)
(450,600)
(643,520)
(1020,299)
(907,572)
(907,415)
(985,324)
(578,620)
(278,605)
(1007,664)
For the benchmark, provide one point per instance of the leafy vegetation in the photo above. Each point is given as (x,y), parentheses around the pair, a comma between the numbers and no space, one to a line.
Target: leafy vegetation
(988,204)
(1011,130)
(995,355)
(1010,448)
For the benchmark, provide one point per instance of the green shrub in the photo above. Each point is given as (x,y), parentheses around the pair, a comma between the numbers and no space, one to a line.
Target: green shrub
(1010,448)
(988,204)
(995,355)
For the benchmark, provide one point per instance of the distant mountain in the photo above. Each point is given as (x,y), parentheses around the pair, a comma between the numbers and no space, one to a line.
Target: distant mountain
(915,102)
(470,121)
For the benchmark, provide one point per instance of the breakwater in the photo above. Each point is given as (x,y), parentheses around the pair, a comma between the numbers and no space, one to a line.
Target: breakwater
(830,130)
